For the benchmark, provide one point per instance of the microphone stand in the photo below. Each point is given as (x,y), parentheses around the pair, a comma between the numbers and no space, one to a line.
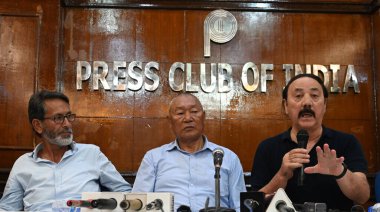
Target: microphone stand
(217,207)
(217,188)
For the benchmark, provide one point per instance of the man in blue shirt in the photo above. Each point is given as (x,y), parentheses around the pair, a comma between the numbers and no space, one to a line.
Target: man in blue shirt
(58,169)
(185,166)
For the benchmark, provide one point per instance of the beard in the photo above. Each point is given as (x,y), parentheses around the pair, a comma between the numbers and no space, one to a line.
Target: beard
(58,140)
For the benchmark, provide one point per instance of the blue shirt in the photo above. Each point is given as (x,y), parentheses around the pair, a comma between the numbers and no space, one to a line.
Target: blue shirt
(190,176)
(35,183)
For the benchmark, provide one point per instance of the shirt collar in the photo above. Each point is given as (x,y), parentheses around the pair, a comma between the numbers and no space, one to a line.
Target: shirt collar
(326,133)
(207,146)
(73,148)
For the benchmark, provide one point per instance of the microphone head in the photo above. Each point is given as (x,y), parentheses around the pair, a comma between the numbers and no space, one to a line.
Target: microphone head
(110,203)
(251,204)
(132,204)
(154,205)
(302,138)
(184,208)
(218,154)
(280,204)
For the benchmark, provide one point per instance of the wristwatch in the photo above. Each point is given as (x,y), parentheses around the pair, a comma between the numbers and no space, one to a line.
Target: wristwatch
(343,172)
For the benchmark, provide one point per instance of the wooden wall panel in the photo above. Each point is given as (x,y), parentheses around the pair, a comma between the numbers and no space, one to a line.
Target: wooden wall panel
(148,134)
(76,35)
(266,38)
(17,76)
(28,60)
(376,38)
(342,39)
(113,35)
(244,135)
(48,12)
(160,35)
(237,119)
(50,65)
(114,137)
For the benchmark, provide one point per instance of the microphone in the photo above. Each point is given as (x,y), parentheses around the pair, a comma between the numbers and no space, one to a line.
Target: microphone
(218,154)
(311,206)
(357,208)
(281,206)
(154,205)
(302,138)
(183,208)
(253,201)
(104,203)
(133,204)
(79,203)
(251,204)
(96,203)
(280,202)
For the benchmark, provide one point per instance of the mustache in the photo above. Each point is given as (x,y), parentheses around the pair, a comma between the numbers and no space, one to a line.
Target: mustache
(306,110)
(67,130)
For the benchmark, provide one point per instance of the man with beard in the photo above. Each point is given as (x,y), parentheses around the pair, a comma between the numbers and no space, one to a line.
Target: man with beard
(185,167)
(335,164)
(58,169)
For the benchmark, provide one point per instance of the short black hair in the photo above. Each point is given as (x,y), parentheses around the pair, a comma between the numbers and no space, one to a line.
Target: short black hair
(36,108)
(316,78)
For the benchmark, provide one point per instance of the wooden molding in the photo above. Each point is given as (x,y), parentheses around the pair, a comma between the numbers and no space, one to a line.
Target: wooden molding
(17,148)
(309,6)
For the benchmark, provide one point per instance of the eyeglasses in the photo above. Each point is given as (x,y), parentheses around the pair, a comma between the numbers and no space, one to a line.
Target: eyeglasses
(59,118)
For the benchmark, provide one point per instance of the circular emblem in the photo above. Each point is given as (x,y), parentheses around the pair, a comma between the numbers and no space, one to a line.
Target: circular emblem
(222,26)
